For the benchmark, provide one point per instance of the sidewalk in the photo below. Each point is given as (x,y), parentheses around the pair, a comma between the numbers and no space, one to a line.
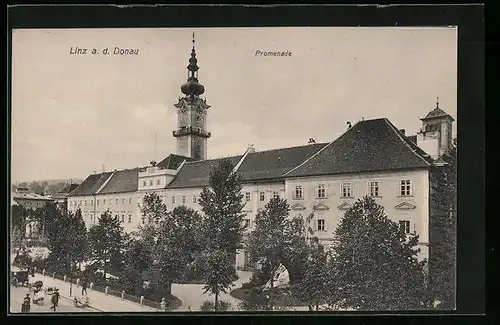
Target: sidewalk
(98,300)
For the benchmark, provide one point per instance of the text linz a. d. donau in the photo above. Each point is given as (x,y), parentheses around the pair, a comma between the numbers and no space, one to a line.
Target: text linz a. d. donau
(105,51)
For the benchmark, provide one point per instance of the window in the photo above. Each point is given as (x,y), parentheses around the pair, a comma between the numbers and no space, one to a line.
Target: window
(321,224)
(321,191)
(262,196)
(97,202)
(405,187)
(130,201)
(404,225)
(298,192)
(246,223)
(123,201)
(247,196)
(142,220)
(346,189)
(374,189)
(158,182)
(123,218)
(150,182)
(104,202)
(183,199)
(195,199)
(173,199)
(276,195)
(85,203)
(144,184)
(129,218)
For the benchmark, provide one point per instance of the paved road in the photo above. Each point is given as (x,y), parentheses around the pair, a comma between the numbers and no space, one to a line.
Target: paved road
(65,305)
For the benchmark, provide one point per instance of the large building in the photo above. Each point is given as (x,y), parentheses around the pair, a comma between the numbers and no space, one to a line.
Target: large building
(373,157)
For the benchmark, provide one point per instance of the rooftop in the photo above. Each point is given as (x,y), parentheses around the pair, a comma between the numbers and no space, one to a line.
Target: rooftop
(91,184)
(435,113)
(370,145)
(197,173)
(122,181)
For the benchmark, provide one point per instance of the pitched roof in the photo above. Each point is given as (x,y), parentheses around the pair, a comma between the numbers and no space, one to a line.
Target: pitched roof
(173,161)
(436,112)
(122,181)
(197,173)
(68,188)
(272,164)
(91,184)
(370,145)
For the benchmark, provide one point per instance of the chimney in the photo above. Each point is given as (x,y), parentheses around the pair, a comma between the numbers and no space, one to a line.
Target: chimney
(402,131)
(153,163)
(311,140)
(349,125)
(250,148)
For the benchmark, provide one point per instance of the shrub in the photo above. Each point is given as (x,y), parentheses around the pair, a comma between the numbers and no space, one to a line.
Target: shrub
(247,285)
(209,305)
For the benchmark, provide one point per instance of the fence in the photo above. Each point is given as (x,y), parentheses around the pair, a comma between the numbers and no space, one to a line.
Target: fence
(105,290)
(152,304)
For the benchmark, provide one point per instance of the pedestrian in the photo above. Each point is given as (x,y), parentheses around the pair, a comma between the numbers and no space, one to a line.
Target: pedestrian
(26,306)
(55,300)
(84,286)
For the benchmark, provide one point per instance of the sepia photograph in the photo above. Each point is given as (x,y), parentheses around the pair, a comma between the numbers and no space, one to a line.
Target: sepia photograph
(249,169)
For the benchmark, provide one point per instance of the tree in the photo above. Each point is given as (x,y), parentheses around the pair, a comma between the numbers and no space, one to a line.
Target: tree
(218,272)
(106,244)
(67,237)
(317,283)
(299,238)
(137,259)
(176,246)
(169,239)
(222,228)
(79,237)
(19,218)
(268,243)
(376,264)
(442,241)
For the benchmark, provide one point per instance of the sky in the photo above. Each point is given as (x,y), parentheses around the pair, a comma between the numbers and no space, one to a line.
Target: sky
(75,114)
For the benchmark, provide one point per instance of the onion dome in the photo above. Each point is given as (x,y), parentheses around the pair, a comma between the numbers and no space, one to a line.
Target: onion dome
(192,86)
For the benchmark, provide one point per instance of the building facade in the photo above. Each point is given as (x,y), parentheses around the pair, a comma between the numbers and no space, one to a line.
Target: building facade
(321,180)
(31,201)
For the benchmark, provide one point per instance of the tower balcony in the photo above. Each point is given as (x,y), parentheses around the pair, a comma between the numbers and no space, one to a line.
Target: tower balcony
(186,130)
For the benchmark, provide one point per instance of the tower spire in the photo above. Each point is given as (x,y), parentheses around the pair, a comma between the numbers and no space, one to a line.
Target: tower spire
(192,87)
(437,102)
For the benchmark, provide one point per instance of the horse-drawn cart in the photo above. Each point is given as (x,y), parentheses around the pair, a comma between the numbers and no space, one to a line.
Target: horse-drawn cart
(19,277)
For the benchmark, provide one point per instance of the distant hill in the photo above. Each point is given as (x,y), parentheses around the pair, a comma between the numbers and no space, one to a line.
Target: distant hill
(46,187)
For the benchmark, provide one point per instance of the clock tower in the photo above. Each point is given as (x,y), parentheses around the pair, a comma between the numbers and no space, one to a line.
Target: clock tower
(191,133)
